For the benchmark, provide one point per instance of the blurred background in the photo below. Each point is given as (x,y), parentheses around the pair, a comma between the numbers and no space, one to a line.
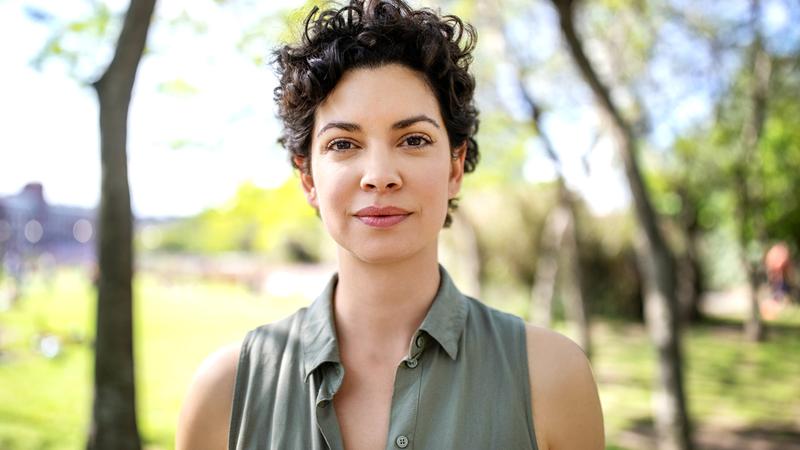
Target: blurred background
(637,190)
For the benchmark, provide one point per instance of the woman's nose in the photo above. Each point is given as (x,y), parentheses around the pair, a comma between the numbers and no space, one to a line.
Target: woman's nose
(380,172)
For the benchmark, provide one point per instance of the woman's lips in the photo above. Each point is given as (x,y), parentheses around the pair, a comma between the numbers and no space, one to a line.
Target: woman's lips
(382,216)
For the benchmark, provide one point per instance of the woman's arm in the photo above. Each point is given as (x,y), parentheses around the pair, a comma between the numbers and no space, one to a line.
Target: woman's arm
(204,420)
(566,408)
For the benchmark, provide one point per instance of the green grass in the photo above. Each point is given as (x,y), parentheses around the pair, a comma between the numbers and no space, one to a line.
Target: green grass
(730,383)
(45,403)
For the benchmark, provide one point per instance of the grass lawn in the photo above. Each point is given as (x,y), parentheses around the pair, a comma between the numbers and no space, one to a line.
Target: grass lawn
(741,392)
(45,402)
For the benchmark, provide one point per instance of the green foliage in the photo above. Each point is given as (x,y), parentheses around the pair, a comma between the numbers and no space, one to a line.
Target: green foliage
(509,223)
(275,221)
(611,279)
(465,9)
(294,21)
(697,186)
(177,86)
(771,172)
(78,43)
(265,33)
(780,156)
(502,143)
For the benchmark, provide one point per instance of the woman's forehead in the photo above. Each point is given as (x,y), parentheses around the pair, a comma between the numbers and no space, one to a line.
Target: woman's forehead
(378,96)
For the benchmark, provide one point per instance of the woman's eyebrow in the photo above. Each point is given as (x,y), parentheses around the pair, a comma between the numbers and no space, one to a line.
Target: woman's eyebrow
(347,126)
(405,123)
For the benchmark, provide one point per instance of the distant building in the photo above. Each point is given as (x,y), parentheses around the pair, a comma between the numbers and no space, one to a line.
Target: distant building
(29,227)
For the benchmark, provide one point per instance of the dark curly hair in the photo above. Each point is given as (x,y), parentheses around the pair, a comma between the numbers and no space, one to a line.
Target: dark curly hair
(372,34)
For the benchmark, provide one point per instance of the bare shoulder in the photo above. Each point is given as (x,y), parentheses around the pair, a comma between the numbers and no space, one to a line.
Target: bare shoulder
(566,406)
(203,423)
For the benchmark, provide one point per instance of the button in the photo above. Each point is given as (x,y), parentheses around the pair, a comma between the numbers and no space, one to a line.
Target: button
(401,441)
(420,341)
(411,363)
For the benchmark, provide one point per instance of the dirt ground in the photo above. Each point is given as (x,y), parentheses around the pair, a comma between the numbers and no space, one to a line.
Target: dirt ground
(731,303)
(716,438)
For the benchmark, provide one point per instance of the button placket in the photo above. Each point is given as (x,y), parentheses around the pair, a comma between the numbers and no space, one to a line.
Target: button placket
(327,424)
(415,350)
(405,399)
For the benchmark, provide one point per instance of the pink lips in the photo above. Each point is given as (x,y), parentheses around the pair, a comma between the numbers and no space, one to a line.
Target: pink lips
(382,216)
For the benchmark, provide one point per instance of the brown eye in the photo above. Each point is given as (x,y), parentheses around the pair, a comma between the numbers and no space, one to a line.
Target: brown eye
(340,145)
(416,141)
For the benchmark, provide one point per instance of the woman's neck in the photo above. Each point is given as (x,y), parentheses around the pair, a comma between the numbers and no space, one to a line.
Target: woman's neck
(379,306)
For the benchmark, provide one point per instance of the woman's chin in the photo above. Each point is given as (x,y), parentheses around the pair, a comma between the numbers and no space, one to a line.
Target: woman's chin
(380,254)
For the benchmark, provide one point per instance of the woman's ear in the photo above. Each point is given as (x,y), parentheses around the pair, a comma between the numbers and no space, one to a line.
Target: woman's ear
(458,155)
(306,179)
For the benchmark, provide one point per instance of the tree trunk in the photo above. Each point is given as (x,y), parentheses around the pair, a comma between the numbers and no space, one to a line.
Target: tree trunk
(749,229)
(690,272)
(655,258)
(114,411)
(690,282)
(544,286)
(558,250)
(754,328)
(558,267)
(571,280)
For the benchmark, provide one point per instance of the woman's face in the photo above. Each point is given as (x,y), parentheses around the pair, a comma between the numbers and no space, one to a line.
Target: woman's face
(379,141)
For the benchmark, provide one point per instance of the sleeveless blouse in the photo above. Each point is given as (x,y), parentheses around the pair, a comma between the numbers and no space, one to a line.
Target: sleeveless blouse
(462,385)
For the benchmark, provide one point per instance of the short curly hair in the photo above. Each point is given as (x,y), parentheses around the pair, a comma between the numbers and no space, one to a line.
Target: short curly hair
(372,34)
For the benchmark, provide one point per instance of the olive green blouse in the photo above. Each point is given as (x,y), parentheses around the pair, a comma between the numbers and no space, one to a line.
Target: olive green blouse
(463,384)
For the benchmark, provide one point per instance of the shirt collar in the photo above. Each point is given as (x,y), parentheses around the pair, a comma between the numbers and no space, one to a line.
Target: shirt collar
(318,334)
(444,322)
(447,316)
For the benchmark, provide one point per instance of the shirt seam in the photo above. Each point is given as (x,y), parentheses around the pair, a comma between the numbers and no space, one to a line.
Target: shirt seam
(419,401)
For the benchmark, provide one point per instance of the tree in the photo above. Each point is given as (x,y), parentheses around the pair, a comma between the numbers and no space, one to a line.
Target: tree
(114,410)
(681,195)
(654,255)
(735,172)
(558,254)
(751,229)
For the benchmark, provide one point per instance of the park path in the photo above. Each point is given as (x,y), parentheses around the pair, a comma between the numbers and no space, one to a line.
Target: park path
(728,303)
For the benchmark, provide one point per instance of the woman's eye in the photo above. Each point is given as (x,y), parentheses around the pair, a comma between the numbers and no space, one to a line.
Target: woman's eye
(416,141)
(340,146)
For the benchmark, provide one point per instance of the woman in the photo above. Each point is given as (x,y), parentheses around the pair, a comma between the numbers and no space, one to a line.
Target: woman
(379,119)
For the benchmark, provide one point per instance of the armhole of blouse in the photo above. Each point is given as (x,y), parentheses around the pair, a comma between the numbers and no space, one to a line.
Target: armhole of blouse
(526,385)
(239,390)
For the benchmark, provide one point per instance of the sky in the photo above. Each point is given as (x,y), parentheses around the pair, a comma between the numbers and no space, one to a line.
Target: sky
(188,148)
(202,119)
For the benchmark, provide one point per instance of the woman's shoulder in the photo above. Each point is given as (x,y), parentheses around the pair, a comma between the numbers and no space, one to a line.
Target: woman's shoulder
(274,337)
(546,345)
(480,313)
(564,394)
(204,419)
